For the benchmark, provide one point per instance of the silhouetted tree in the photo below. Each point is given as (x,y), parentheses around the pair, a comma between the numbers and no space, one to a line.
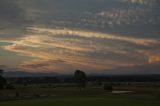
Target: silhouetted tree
(3,81)
(80,78)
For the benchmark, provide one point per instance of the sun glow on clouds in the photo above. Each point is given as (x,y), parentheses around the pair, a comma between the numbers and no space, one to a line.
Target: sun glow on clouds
(69,49)
(154,59)
(99,35)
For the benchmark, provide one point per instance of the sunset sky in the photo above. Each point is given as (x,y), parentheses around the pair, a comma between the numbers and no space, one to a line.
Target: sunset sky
(91,35)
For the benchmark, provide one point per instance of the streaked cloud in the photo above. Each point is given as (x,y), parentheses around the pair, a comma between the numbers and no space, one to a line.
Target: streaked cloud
(88,34)
(60,35)
(78,49)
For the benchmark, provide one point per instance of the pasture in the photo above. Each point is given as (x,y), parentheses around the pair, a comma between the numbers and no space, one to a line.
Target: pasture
(49,95)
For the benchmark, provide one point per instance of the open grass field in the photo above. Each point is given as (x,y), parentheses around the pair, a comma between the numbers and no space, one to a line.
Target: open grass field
(91,96)
(85,101)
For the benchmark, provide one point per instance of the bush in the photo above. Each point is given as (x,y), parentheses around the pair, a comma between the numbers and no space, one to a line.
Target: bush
(37,95)
(10,86)
(108,87)
(2,82)
(17,94)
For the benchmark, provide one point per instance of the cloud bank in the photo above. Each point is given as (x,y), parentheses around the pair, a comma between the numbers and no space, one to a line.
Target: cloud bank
(68,49)
(64,35)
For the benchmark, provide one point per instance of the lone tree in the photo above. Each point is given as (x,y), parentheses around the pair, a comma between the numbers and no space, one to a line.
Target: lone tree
(80,78)
(3,81)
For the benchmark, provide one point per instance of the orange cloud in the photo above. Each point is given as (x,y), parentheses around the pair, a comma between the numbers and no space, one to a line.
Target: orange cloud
(154,59)
(91,34)
(79,50)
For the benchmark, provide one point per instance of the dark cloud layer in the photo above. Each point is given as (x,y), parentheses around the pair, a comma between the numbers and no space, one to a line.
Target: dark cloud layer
(126,17)
(11,14)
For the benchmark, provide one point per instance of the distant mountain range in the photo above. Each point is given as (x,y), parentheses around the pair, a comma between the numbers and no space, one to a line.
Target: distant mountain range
(149,69)
(27,74)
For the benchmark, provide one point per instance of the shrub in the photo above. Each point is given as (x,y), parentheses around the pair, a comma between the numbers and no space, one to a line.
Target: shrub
(17,94)
(10,86)
(108,87)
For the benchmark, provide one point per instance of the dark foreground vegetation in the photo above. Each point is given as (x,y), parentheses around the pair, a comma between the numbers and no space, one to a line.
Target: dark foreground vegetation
(82,91)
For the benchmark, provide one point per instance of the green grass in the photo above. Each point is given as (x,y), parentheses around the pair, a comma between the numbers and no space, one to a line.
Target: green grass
(85,101)
(92,96)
